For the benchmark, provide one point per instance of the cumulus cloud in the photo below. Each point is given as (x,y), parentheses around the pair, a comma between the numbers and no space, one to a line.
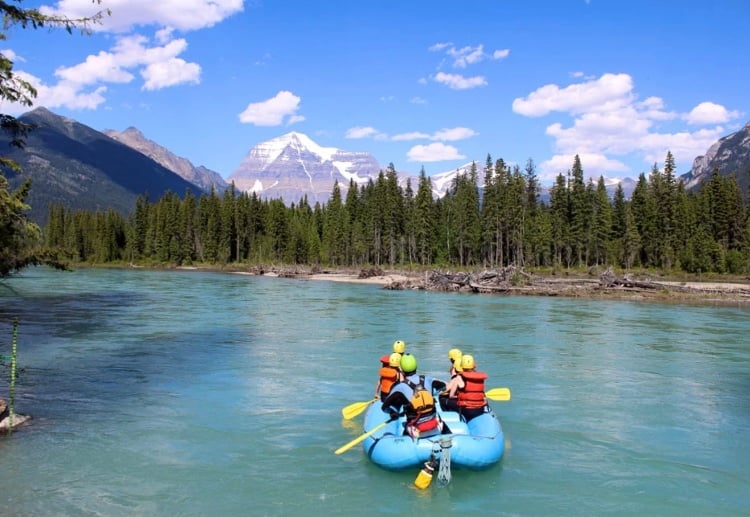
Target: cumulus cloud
(183,15)
(607,92)
(169,73)
(273,111)
(361,132)
(453,134)
(413,135)
(591,162)
(435,152)
(82,86)
(710,113)
(610,123)
(459,82)
(155,60)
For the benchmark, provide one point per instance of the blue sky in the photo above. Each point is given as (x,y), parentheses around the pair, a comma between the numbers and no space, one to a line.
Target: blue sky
(432,84)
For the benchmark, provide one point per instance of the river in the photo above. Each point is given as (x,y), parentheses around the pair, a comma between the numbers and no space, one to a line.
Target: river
(189,393)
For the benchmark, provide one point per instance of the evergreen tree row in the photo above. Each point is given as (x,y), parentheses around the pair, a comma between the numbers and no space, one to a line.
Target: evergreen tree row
(661,226)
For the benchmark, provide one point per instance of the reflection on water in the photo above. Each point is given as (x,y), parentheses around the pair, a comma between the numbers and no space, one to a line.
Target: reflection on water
(192,393)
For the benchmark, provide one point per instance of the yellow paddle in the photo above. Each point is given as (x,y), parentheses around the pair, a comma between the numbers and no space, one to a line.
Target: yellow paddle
(355,409)
(361,438)
(502,394)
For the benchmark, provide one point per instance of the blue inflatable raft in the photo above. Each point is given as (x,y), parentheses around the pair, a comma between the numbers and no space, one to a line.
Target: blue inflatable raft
(478,444)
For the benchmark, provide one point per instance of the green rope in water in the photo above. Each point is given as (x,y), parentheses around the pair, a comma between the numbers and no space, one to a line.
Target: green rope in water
(13,357)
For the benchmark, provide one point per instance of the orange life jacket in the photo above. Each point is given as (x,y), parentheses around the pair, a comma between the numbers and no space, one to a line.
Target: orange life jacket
(426,417)
(388,377)
(471,396)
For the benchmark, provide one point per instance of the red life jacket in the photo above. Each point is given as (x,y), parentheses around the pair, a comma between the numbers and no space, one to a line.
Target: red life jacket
(472,394)
(388,377)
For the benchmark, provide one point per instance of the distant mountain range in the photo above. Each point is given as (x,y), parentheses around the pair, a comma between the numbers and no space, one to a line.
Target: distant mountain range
(76,166)
(200,176)
(79,167)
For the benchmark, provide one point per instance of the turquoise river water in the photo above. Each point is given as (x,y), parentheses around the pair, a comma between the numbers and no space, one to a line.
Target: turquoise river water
(187,393)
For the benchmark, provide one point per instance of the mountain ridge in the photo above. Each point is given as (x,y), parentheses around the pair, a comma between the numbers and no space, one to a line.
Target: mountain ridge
(72,164)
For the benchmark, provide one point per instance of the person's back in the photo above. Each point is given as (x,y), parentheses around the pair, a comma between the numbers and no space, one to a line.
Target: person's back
(388,376)
(471,400)
(422,420)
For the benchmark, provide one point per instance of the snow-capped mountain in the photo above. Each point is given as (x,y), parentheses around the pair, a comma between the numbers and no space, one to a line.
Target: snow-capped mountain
(293,165)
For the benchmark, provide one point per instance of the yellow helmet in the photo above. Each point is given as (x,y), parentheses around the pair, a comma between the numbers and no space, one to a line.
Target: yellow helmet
(467,362)
(399,347)
(454,354)
(395,360)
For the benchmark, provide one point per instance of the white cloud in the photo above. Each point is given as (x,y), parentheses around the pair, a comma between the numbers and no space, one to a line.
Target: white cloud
(413,135)
(10,54)
(468,55)
(169,73)
(273,111)
(610,124)
(593,165)
(127,14)
(453,134)
(501,54)
(609,91)
(361,132)
(710,113)
(436,152)
(437,47)
(459,82)
(82,86)
(418,100)
(463,57)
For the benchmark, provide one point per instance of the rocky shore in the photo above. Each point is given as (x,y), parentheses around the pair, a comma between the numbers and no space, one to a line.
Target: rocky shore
(5,419)
(515,281)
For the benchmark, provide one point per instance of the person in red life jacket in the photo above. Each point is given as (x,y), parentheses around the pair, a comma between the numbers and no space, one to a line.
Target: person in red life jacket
(389,374)
(415,395)
(469,390)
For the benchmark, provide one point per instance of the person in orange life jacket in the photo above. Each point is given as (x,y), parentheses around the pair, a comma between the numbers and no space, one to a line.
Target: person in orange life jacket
(425,423)
(399,347)
(469,390)
(389,375)
(448,403)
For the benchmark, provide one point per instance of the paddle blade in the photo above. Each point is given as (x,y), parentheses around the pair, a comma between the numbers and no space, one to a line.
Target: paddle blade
(500,394)
(355,409)
(361,438)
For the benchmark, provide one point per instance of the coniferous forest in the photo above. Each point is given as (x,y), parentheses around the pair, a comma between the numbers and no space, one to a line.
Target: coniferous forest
(661,226)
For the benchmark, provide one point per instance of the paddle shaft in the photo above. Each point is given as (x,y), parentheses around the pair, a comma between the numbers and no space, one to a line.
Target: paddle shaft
(363,437)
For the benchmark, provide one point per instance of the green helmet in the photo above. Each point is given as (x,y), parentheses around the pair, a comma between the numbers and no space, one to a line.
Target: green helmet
(399,347)
(408,363)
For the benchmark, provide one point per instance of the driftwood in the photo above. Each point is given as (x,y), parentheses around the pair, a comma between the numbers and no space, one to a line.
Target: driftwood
(514,280)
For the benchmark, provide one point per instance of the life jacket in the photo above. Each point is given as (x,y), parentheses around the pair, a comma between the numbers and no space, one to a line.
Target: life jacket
(425,416)
(388,377)
(471,396)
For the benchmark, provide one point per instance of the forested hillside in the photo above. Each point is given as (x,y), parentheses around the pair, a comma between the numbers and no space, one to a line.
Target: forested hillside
(661,226)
